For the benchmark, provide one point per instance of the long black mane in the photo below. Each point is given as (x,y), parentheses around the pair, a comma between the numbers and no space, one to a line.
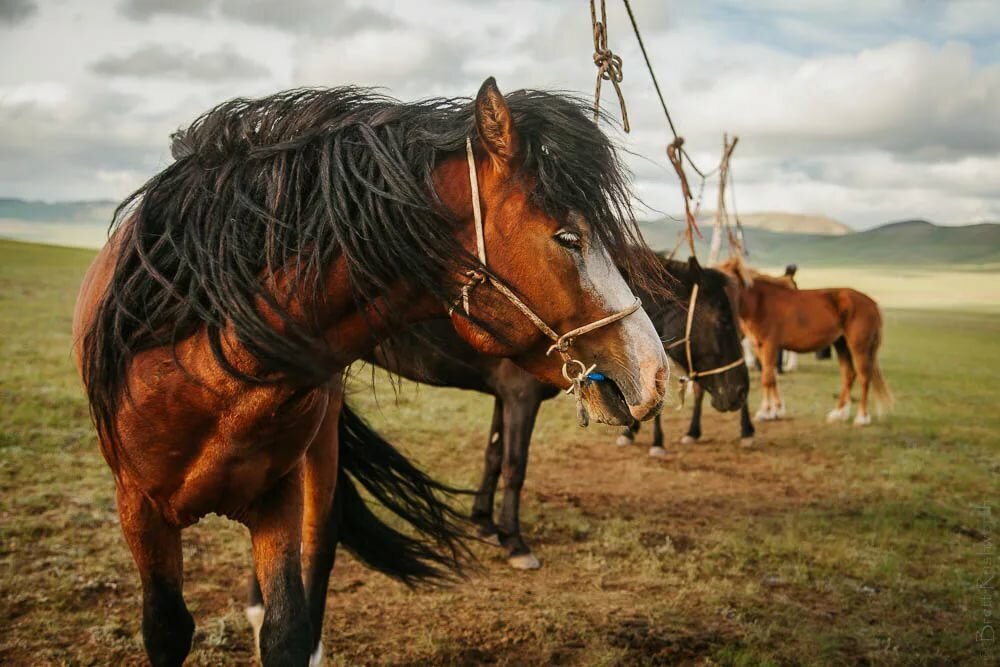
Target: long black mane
(286,185)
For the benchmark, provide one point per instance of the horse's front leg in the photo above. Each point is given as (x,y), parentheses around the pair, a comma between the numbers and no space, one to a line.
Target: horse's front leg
(694,429)
(746,426)
(482,506)
(275,523)
(519,412)
(167,627)
(627,435)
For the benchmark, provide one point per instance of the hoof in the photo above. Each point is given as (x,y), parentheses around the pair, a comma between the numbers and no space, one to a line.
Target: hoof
(688,440)
(839,414)
(658,453)
(492,539)
(524,562)
(623,441)
(765,416)
(255,615)
(316,659)
(746,443)
(780,412)
(862,420)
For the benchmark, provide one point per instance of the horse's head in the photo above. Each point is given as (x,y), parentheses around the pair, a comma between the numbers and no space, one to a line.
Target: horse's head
(556,223)
(714,335)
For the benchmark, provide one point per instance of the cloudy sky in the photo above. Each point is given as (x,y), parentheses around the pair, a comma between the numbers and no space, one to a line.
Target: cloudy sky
(867,111)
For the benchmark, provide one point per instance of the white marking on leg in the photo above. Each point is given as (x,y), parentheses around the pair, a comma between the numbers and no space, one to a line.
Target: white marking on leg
(658,453)
(841,414)
(766,414)
(747,442)
(316,659)
(623,440)
(495,438)
(792,362)
(524,562)
(862,419)
(688,440)
(255,615)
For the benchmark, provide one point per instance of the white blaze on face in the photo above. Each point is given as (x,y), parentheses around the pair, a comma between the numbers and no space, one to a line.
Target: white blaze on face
(641,345)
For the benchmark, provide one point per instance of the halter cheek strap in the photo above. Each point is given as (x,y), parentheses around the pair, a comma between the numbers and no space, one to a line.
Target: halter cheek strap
(692,374)
(575,371)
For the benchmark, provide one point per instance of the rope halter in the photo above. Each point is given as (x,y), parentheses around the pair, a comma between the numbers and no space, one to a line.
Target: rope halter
(692,374)
(575,371)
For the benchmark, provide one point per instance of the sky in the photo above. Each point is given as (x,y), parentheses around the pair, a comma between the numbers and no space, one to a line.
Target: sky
(866,111)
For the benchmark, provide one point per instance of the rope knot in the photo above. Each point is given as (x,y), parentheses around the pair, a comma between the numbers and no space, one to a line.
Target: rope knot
(475,277)
(609,65)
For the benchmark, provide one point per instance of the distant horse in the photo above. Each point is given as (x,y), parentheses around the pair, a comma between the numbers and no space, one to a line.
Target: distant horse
(432,353)
(776,316)
(699,374)
(292,234)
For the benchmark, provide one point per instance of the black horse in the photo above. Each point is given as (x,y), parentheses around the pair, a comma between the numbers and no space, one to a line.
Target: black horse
(432,354)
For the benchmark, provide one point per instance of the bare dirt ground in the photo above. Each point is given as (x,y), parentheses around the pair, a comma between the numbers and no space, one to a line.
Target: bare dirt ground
(824,544)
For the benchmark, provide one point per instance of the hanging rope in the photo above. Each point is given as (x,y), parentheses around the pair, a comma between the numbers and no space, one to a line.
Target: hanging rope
(740,236)
(675,154)
(721,215)
(609,65)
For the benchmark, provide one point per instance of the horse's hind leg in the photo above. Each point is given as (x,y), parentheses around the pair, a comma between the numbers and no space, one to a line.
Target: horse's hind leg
(519,412)
(694,428)
(167,627)
(843,410)
(275,523)
(482,506)
(864,360)
(771,406)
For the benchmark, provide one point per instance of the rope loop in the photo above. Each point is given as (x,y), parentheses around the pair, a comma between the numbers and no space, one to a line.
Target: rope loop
(609,65)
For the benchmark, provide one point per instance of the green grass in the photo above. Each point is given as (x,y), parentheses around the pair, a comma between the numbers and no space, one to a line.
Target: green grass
(824,544)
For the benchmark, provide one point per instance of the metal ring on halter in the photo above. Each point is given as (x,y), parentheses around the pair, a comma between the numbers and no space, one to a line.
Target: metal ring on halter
(584,371)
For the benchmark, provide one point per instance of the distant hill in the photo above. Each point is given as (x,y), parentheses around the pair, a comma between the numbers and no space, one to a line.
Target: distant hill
(770,236)
(796,223)
(75,223)
(61,212)
(910,242)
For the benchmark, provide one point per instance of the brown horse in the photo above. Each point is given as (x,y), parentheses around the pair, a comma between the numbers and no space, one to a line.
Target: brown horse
(291,234)
(775,315)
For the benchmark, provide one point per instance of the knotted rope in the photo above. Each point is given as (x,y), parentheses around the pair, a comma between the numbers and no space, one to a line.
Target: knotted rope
(609,65)
(675,154)
(575,371)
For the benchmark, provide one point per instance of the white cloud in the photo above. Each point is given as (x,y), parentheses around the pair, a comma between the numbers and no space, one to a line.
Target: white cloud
(865,110)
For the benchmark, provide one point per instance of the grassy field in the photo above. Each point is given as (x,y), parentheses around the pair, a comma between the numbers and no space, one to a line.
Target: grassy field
(824,544)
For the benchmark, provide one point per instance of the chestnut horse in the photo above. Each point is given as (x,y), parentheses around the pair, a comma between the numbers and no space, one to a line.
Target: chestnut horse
(290,235)
(775,315)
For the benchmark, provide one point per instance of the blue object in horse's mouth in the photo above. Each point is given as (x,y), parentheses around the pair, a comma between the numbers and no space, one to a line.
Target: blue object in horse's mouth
(596,377)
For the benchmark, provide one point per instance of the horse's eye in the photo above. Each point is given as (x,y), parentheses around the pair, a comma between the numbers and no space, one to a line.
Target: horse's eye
(568,239)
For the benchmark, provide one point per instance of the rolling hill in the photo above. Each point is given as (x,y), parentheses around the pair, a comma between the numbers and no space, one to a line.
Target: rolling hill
(911,242)
(769,236)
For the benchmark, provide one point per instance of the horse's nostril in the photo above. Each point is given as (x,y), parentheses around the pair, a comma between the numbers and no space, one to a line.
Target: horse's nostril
(661,380)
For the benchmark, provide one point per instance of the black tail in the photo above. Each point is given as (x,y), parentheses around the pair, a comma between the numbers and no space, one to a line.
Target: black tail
(438,550)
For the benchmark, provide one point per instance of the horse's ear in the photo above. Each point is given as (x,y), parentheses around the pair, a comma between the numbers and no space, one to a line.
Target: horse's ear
(790,270)
(695,268)
(495,123)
